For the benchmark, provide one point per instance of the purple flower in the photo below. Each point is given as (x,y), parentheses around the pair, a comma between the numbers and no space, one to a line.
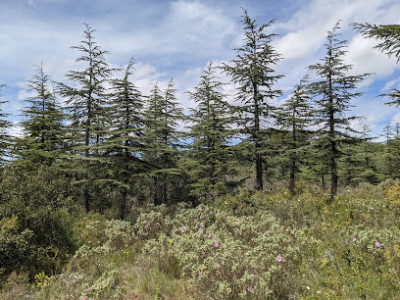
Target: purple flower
(87,289)
(200,209)
(201,230)
(354,239)
(216,244)
(252,275)
(371,208)
(279,259)
(377,244)
(249,288)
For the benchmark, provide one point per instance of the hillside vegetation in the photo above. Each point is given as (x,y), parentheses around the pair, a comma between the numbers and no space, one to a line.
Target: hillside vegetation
(251,245)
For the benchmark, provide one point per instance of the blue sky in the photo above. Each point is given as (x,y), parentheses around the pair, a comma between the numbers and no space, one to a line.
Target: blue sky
(176,39)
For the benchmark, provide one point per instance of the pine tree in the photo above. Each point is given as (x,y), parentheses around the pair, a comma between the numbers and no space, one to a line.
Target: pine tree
(86,104)
(334,92)
(297,117)
(162,140)
(43,140)
(389,37)
(4,136)
(210,153)
(123,147)
(252,71)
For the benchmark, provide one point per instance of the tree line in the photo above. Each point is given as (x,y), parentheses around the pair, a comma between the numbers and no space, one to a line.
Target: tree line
(109,143)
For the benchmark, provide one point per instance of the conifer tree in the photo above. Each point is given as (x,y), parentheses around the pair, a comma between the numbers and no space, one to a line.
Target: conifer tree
(297,117)
(124,145)
(334,92)
(389,37)
(211,118)
(162,139)
(4,136)
(86,103)
(252,71)
(43,140)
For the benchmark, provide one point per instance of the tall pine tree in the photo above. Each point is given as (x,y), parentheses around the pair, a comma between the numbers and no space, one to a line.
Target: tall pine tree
(43,140)
(252,71)
(123,148)
(297,117)
(210,153)
(334,92)
(162,140)
(86,103)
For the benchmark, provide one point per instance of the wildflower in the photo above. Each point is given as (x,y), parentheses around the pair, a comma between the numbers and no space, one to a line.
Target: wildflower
(307,287)
(377,244)
(91,298)
(201,224)
(218,265)
(211,212)
(262,234)
(201,230)
(145,221)
(183,231)
(371,208)
(200,272)
(184,227)
(209,235)
(252,275)
(200,209)
(279,259)
(87,289)
(249,288)
(287,229)
(354,239)
(216,244)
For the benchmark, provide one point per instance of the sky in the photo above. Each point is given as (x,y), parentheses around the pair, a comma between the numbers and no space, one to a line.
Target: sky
(176,40)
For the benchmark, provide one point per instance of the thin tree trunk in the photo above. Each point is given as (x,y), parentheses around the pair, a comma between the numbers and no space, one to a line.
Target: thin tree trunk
(122,204)
(292,177)
(85,195)
(323,182)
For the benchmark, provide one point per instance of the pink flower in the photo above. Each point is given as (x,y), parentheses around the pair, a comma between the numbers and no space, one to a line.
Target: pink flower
(82,298)
(209,235)
(200,209)
(183,231)
(87,289)
(91,298)
(287,229)
(252,275)
(371,208)
(249,288)
(216,244)
(377,244)
(354,239)
(200,272)
(201,230)
(279,259)
(211,212)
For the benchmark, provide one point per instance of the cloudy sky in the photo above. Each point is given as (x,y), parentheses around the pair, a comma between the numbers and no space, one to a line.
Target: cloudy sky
(176,39)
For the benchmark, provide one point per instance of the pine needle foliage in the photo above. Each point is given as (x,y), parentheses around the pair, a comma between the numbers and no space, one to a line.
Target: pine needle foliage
(252,72)
(210,154)
(333,95)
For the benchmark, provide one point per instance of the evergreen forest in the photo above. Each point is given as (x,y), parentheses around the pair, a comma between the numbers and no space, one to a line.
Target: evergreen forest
(114,193)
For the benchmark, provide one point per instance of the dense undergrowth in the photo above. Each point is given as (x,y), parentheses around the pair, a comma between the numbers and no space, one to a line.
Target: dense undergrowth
(263,245)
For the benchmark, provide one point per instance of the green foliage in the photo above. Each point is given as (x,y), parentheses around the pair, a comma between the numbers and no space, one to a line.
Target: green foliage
(252,71)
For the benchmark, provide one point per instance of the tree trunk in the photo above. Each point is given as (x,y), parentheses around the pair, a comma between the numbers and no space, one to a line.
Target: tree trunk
(292,177)
(323,182)
(85,196)
(334,180)
(259,176)
(122,204)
